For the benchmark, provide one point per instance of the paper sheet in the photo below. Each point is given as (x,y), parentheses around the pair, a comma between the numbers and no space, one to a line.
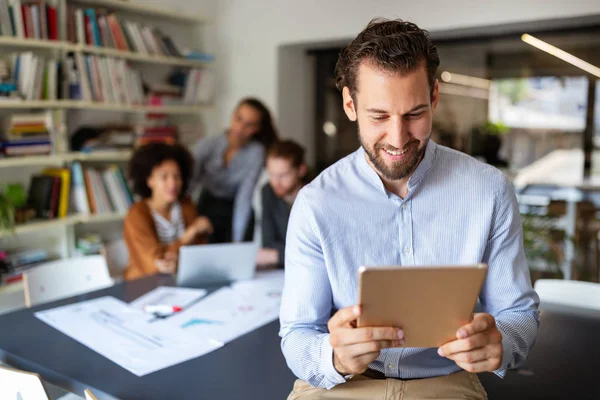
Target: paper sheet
(120,333)
(231,312)
(168,295)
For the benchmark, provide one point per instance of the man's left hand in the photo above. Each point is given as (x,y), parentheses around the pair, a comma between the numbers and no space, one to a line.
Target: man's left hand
(478,345)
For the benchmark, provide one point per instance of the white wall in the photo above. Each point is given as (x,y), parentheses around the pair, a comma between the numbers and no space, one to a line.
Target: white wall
(249,33)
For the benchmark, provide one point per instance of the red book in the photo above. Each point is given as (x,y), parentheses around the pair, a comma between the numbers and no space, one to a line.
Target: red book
(54,199)
(52,23)
(27,21)
(113,23)
(89,37)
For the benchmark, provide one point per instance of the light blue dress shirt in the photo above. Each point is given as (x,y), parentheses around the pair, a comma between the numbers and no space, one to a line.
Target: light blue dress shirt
(457,211)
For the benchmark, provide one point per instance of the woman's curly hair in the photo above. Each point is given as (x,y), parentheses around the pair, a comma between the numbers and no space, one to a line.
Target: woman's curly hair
(149,156)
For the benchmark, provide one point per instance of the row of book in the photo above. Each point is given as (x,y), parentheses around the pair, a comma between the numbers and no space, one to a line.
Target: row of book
(99,79)
(13,263)
(56,192)
(103,79)
(27,134)
(31,19)
(97,27)
(34,77)
(100,191)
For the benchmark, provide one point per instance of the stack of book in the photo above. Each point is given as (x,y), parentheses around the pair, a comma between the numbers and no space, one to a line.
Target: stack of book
(103,79)
(31,19)
(28,134)
(163,94)
(100,28)
(99,191)
(156,128)
(18,261)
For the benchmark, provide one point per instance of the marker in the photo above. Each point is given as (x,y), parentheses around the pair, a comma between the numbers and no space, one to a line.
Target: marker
(162,309)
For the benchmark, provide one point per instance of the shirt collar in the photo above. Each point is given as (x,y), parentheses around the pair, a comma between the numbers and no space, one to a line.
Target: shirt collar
(416,177)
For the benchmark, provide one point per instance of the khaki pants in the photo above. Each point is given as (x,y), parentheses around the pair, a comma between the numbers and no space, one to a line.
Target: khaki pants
(460,385)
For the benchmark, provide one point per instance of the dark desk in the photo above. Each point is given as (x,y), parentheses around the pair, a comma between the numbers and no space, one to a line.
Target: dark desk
(564,363)
(251,367)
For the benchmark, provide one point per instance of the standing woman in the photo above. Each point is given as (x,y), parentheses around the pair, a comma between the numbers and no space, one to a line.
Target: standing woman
(227,166)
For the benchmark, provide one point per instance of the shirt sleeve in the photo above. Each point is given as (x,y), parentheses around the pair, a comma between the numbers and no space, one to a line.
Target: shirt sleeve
(307,302)
(201,152)
(141,239)
(243,197)
(270,236)
(507,293)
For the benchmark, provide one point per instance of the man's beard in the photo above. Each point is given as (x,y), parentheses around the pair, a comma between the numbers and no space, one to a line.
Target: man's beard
(398,169)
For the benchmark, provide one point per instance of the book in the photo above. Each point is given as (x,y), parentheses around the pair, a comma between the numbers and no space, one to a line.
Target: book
(40,195)
(79,197)
(65,188)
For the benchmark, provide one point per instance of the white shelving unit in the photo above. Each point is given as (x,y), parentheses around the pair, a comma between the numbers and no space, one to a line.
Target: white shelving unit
(88,105)
(61,233)
(137,8)
(51,225)
(60,159)
(133,56)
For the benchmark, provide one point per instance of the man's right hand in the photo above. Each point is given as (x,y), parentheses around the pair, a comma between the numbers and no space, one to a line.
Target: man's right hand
(355,348)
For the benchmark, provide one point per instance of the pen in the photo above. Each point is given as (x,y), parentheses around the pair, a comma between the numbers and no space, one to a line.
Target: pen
(162,309)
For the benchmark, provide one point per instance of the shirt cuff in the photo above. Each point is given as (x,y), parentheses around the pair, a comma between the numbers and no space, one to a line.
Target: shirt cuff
(507,355)
(329,370)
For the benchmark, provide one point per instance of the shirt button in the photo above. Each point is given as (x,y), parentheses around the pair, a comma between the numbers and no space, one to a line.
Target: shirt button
(407,250)
(404,206)
(390,366)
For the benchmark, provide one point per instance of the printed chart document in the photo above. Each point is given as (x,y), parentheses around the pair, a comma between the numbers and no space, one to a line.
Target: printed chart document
(233,311)
(122,334)
(168,295)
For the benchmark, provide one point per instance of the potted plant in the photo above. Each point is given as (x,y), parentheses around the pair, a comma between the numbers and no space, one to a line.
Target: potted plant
(490,140)
(7,214)
(542,246)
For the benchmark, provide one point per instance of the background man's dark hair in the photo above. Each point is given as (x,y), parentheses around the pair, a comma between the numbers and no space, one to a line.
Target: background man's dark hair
(392,45)
(289,150)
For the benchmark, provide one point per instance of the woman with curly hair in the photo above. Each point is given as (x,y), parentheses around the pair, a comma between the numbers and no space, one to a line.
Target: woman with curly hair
(161,221)
(228,167)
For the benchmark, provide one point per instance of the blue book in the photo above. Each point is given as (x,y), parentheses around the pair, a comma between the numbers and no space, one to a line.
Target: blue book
(16,69)
(91,13)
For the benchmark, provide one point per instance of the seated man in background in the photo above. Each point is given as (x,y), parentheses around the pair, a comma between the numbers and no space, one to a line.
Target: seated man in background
(161,222)
(286,169)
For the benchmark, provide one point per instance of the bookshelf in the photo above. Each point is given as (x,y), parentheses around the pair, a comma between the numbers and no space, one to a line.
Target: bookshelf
(40,226)
(6,41)
(59,46)
(141,9)
(60,159)
(19,43)
(90,105)
(137,57)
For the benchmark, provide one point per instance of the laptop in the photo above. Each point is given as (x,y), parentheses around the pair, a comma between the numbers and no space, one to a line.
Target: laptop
(209,264)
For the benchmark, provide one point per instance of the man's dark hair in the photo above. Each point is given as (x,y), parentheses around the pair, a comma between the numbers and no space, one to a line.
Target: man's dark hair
(289,150)
(149,156)
(392,45)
